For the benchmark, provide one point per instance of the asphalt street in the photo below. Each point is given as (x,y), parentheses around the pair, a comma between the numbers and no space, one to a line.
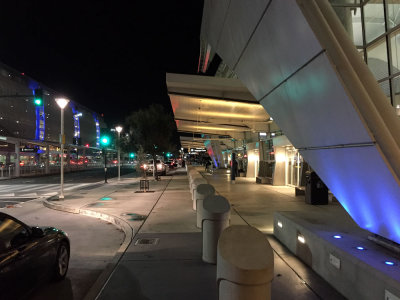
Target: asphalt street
(93,245)
(14,192)
(85,176)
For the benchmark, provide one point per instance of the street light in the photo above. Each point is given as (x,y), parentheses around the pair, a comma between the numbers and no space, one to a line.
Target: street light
(62,103)
(119,129)
(105,141)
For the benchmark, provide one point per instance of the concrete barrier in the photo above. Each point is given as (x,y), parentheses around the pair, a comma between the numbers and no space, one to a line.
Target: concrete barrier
(245,264)
(201,192)
(216,213)
(196,181)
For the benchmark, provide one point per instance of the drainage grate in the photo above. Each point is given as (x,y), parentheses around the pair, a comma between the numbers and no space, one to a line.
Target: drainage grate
(151,241)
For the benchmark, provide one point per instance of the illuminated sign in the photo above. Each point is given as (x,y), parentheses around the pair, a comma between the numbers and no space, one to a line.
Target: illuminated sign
(198,150)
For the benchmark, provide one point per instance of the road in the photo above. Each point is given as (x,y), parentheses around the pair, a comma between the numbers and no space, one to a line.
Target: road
(18,190)
(86,176)
(93,245)
(93,242)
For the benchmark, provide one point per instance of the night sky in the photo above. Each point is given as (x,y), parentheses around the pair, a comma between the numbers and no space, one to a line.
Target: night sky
(109,56)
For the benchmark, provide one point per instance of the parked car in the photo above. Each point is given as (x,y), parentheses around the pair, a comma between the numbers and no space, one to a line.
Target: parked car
(29,256)
(161,167)
(172,163)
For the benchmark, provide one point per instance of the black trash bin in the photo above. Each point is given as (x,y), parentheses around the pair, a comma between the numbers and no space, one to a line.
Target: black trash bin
(316,190)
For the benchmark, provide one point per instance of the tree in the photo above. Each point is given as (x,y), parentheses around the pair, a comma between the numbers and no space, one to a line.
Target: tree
(141,159)
(153,130)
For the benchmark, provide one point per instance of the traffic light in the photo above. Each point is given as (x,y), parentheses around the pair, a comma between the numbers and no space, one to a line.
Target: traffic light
(38,97)
(105,140)
(106,137)
(132,155)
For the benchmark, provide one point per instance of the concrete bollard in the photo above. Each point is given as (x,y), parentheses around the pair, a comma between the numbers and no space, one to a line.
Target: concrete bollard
(216,213)
(245,264)
(192,177)
(200,193)
(196,181)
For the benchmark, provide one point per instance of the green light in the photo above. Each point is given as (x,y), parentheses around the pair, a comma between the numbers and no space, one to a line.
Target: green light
(131,155)
(105,140)
(38,101)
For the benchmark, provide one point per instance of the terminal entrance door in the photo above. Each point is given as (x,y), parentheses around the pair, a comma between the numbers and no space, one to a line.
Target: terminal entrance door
(293,167)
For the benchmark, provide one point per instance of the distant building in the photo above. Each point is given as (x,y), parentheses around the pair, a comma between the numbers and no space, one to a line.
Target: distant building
(31,131)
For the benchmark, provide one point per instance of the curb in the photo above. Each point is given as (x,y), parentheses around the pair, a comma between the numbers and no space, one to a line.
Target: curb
(102,279)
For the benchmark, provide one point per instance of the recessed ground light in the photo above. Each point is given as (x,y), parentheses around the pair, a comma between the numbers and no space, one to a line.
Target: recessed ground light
(301,239)
(106,198)
(337,236)
(360,248)
(280,224)
(389,263)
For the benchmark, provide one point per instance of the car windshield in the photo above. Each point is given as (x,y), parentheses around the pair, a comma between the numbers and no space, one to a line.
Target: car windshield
(9,229)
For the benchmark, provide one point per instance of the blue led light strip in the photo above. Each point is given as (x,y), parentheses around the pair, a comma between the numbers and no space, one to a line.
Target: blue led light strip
(77,127)
(96,120)
(40,121)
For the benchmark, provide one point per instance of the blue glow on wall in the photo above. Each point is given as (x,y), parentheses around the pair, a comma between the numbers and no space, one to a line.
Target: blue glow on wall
(40,121)
(77,128)
(96,121)
(365,187)
(33,84)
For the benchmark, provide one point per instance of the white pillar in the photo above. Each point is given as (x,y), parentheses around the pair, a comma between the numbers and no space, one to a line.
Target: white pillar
(17,171)
(62,141)
(47,161)
(119,158)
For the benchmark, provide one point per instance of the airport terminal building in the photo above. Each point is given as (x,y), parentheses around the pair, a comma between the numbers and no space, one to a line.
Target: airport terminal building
(327,75)
(30,130)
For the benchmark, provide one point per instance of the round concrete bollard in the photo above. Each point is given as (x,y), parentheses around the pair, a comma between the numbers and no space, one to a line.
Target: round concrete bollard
(200,193)
(245,264)
(197,181)
(191,180)
(216,213)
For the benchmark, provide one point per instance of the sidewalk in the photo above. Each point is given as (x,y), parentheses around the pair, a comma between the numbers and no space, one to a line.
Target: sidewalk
(161,256)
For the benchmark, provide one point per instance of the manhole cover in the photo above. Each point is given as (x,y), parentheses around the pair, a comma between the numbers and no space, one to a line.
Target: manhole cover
(151,241)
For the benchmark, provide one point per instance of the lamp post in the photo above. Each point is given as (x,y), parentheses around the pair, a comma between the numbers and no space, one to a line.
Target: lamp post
(119,129)
(62,103)
(105,141)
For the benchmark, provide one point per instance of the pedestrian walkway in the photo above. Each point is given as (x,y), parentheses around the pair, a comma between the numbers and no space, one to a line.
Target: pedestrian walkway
(161,259)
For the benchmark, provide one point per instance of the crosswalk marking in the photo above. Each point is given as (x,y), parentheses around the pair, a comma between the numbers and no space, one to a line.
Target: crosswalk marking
(34,190)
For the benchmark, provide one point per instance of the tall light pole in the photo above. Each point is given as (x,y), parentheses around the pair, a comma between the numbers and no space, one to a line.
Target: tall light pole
(62,103)
(119,129)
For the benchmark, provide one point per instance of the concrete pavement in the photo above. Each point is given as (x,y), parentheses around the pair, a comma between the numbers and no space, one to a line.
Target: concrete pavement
(161,255)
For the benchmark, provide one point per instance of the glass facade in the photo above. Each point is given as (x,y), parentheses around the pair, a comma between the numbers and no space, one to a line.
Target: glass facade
(374,27)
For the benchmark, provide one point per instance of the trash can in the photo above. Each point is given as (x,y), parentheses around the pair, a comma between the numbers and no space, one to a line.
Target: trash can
(200,193)
(216,213)
(144,185)
(245,264)
(316,190)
